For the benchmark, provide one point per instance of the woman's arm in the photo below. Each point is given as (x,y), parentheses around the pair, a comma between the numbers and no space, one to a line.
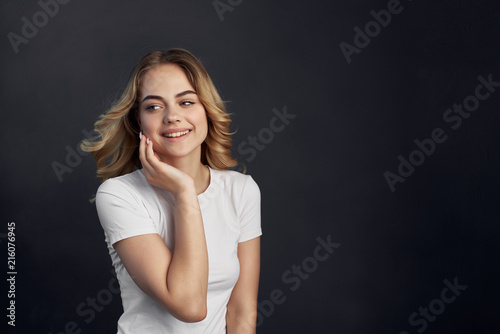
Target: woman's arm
(242,307)
(177,280)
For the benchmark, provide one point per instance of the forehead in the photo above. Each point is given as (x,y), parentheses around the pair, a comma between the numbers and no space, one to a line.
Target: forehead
(165,79)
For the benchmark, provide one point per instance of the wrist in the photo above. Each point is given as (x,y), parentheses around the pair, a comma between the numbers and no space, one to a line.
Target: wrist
(186,193)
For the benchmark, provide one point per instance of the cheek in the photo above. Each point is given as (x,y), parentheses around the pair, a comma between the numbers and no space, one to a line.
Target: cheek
(204,124)
(147,122)
(198,118)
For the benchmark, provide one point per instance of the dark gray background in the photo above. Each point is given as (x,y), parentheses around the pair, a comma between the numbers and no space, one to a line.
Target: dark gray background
(322,175)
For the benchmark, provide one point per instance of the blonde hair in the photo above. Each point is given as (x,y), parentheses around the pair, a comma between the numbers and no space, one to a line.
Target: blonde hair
(116,148)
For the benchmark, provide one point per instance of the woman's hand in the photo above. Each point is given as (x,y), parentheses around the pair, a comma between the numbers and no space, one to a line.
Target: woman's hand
(160,174)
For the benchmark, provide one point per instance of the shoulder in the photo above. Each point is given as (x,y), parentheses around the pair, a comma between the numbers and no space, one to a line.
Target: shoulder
(130,188)
(133,182)
(240,187)
(233,179)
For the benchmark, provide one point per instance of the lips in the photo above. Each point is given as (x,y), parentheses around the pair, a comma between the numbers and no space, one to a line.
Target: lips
(175,134)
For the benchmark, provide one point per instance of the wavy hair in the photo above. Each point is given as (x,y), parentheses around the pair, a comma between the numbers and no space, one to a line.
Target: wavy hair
(116,147)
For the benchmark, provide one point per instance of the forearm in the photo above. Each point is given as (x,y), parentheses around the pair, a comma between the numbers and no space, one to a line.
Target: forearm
(187,278)
(241,317)
(241,320)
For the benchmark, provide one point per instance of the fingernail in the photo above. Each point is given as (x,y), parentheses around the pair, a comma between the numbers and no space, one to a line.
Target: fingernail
(140,135)
(147,141)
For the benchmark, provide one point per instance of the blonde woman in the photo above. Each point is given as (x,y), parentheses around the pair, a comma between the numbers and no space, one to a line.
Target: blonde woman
(182,230)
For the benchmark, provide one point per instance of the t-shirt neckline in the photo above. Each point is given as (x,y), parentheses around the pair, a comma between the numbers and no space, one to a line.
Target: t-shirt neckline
(203,198)
(210,179)
(211,190)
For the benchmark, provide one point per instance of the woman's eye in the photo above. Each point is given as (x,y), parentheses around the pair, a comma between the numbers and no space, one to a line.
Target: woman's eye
(152,107)
(186,103)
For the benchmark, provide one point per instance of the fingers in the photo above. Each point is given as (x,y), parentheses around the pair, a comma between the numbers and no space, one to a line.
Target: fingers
(143,156)
(151,156)
(158,173)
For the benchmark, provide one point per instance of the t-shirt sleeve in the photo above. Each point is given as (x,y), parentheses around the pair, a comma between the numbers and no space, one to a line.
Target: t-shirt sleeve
(121,213)
(250,211)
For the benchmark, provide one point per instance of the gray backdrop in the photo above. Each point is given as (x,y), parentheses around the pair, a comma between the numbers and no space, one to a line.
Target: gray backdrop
(371,128)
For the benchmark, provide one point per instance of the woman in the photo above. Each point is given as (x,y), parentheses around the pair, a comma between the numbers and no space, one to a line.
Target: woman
(183,232)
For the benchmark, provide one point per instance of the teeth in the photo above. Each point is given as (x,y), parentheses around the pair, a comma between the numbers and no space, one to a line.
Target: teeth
(176,134)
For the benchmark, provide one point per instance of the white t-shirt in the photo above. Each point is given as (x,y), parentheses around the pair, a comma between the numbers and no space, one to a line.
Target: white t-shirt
(129,206)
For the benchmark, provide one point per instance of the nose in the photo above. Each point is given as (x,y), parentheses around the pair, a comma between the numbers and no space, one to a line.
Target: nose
(172,115)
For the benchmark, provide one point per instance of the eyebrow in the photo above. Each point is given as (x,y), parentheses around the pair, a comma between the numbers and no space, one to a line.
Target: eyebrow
(157,97)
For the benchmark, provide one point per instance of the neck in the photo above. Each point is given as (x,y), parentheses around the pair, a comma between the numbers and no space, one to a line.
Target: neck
(194,168)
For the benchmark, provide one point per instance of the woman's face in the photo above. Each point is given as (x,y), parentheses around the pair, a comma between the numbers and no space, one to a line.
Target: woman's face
(171,114)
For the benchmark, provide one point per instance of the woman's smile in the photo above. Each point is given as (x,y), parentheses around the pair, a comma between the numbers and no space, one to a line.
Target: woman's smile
(175,135)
